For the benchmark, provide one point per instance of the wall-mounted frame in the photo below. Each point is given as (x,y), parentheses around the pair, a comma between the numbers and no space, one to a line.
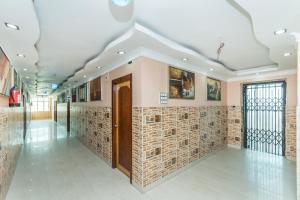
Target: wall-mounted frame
(62,98)
(213,89)
(181,84)
(74,94)
(95,89)
(5,74)
(82,93)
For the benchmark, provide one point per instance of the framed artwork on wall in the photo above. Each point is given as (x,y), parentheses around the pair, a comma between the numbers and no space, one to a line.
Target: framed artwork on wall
(5,74)
(82,93)
(213,89)
(74,94)
(181,84)
(95,89)
(62,98)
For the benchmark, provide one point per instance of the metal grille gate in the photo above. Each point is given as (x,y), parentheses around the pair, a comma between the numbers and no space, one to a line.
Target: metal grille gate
(264,117)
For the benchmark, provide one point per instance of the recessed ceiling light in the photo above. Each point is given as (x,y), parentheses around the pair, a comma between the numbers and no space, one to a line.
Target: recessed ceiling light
(21,55)
(121,3)
(280,31)
(84,76)
(25,69)
(121,52)
(11,26)
(185,59)
(211,69)
(27,76)
(287,54)
(98,67)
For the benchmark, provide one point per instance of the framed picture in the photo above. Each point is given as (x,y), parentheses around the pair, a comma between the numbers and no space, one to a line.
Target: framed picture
(95,89)
(62,98)
(213,89)
(82,90)
(74,94)
(181,84)
(5,74)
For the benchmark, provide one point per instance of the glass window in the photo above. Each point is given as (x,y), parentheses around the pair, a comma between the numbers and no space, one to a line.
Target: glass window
(40,104)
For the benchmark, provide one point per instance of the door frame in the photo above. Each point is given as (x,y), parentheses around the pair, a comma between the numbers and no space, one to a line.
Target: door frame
(55,110)
(68,115)
(114,132)
(244,115)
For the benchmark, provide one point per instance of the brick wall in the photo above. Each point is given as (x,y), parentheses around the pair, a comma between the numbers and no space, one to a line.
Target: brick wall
(11,137)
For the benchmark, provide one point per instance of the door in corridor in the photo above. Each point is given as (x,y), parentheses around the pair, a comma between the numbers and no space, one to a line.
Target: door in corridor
(264,117)
(121,121)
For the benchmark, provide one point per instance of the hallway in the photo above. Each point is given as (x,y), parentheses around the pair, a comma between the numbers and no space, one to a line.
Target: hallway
(55,166)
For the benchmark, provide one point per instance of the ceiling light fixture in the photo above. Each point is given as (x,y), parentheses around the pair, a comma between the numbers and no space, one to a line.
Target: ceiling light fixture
(11,26)
(98,67)
(121,3)
(21,55)
(25,69)
(280,31)
(27,77)
(121,52)
(211,69)
(185,59)
(84,76)
(287,54)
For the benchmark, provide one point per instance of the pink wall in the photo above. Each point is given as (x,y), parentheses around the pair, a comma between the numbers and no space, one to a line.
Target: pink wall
(150,77)
(155,79)
(234,89)
(106,83)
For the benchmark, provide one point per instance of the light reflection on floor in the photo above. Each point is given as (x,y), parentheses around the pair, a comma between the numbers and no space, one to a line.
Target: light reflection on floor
(55,166)
(45,130)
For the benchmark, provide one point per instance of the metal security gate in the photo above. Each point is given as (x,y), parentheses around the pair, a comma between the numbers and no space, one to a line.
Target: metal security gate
(264,117)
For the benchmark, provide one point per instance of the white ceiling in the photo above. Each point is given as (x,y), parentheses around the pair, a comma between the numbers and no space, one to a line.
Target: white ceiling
(61,37)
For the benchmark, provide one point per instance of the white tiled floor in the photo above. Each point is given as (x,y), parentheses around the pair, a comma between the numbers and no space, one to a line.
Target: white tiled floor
(54,166)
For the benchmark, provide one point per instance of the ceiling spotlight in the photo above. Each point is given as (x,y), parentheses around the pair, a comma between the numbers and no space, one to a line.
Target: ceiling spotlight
(280,31)
(121,3)
(185,59)
(25,69)
(27,77)
(211,69)
(121,52)
(84,76)
(21,55)
(11,26)
(98,67)
(287,54)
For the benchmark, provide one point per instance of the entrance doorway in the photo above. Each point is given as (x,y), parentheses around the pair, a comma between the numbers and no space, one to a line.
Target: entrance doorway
(55,110)
(264,116)
(122,124)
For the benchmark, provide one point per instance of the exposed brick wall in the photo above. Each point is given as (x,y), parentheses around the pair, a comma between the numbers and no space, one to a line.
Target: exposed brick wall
(290,133)
(92,125)
(174,137)
(11,134)
(234,125)
(235,130)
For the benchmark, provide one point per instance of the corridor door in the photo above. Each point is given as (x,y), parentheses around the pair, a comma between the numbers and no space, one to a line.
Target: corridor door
(264,117)
(121,122)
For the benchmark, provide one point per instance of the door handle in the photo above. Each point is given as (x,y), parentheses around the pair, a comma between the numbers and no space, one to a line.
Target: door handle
(116,126)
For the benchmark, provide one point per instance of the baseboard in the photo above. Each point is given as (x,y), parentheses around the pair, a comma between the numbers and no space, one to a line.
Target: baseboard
(176,173)
(234,146)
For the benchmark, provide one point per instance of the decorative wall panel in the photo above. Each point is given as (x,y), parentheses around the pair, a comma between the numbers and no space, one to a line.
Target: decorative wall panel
(11,134)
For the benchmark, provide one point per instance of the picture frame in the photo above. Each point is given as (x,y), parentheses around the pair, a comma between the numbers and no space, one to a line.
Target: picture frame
(181,84)
(214,89)
(95,89)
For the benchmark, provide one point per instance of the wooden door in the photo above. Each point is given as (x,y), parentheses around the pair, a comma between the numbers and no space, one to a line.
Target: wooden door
(68,115)
(55,110)
(122,124)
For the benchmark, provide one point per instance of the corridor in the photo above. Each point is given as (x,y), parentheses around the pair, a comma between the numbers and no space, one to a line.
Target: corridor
(54,165)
